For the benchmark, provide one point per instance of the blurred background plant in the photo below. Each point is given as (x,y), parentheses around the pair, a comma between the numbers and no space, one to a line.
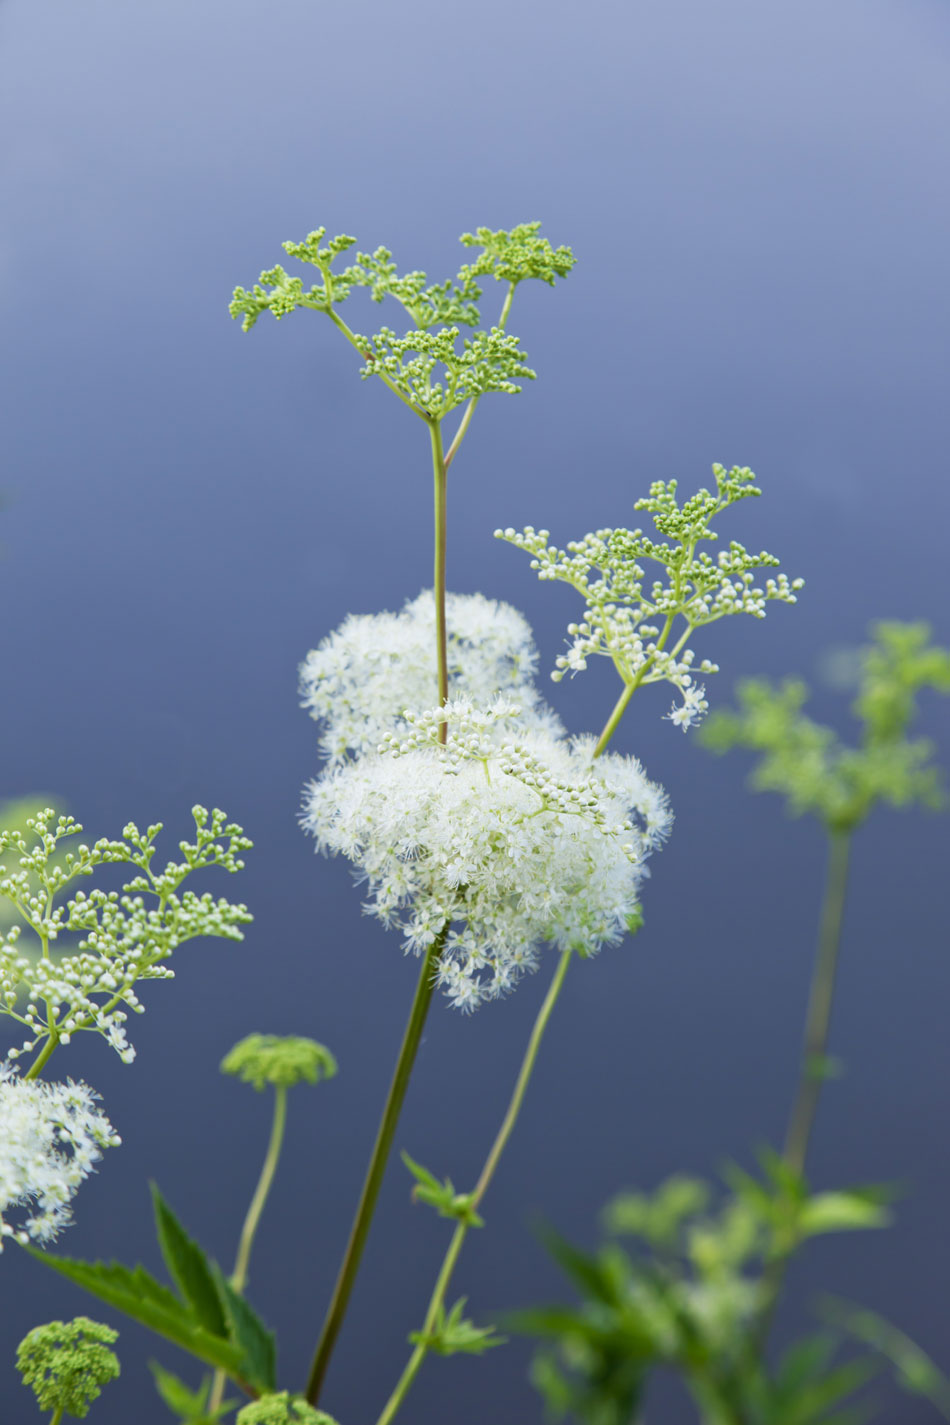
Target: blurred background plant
(698,1291)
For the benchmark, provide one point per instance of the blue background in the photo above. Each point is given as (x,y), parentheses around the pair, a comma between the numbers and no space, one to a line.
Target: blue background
(756,193)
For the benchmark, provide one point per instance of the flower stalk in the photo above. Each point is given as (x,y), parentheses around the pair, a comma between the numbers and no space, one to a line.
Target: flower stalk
(377,1168)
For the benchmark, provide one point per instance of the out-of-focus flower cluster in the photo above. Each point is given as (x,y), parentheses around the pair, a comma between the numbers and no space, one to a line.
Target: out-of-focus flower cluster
(51,1135)
(507,835)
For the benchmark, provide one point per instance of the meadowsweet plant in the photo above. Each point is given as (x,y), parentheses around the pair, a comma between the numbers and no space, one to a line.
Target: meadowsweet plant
(699,1292)
(484,836)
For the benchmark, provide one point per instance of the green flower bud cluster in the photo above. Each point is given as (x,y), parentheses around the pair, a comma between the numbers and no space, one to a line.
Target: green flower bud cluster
(633,619)
(67,1363)
(488,360)
(281,1061)
(282,1408)
(122,938)
(519,254)
(811,766)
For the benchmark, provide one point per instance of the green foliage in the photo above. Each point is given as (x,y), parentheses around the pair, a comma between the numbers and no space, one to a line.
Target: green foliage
(689,1297)
(644,624)
(279,1060)
(188,1268)
(207,1319)
(811,766)
(442,1196)
(453,1334)
(122,938)
(913,1368)
(282,1409)
(189,1406)
(67,1363)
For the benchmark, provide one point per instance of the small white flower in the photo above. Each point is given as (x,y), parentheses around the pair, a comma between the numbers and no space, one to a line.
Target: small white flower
(692,707)
(51,1135)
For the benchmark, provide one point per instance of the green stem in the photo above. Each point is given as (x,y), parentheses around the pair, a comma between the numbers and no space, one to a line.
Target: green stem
(377,1167)
(45,1054)
(437,1300)
(249,1230)
(814,1058)
(57,1415)
(504,1133)
(820,999)
(613,722)
(341,325)
(473,403)
(441,637)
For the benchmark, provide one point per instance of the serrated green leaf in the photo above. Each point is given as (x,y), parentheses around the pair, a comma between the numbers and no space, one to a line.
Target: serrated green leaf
(188,1267)
(191,1406)
(180,1398)
(249,1334)
(442,1196)
(453,1334)
(137,1294)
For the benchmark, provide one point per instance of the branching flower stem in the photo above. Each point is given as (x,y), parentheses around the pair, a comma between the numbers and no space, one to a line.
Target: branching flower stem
(814,1068)
(631,685)
(473,403)
(249,1230)
(437,1300)
(397,1090)
(377,1167)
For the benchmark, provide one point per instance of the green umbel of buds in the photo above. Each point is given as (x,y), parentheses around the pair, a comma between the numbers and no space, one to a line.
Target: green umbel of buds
(279,1060)
(67,1363)
(282,1409)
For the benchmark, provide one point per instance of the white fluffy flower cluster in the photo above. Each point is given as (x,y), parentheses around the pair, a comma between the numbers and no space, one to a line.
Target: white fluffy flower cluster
(503,838)
(360,679)
(51,1134)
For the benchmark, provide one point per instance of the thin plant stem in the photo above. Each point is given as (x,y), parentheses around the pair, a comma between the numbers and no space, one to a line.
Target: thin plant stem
(249,1230)
(57,1415)
(376,1168)
(45,1054)
(441,637)
(472,406)
(821,996)
(814,1067)
(437,1300)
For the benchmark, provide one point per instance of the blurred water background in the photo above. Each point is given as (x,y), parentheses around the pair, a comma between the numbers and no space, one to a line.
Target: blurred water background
(756,193)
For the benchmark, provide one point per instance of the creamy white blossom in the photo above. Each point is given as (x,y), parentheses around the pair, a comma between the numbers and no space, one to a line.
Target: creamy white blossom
(508,835)
(361,677)
(51,1135)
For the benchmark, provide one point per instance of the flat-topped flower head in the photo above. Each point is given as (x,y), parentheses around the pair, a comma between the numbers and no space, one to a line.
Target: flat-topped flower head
(360,679)
(51,1135)
(506,836)
(67,1363)
(279,1060)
